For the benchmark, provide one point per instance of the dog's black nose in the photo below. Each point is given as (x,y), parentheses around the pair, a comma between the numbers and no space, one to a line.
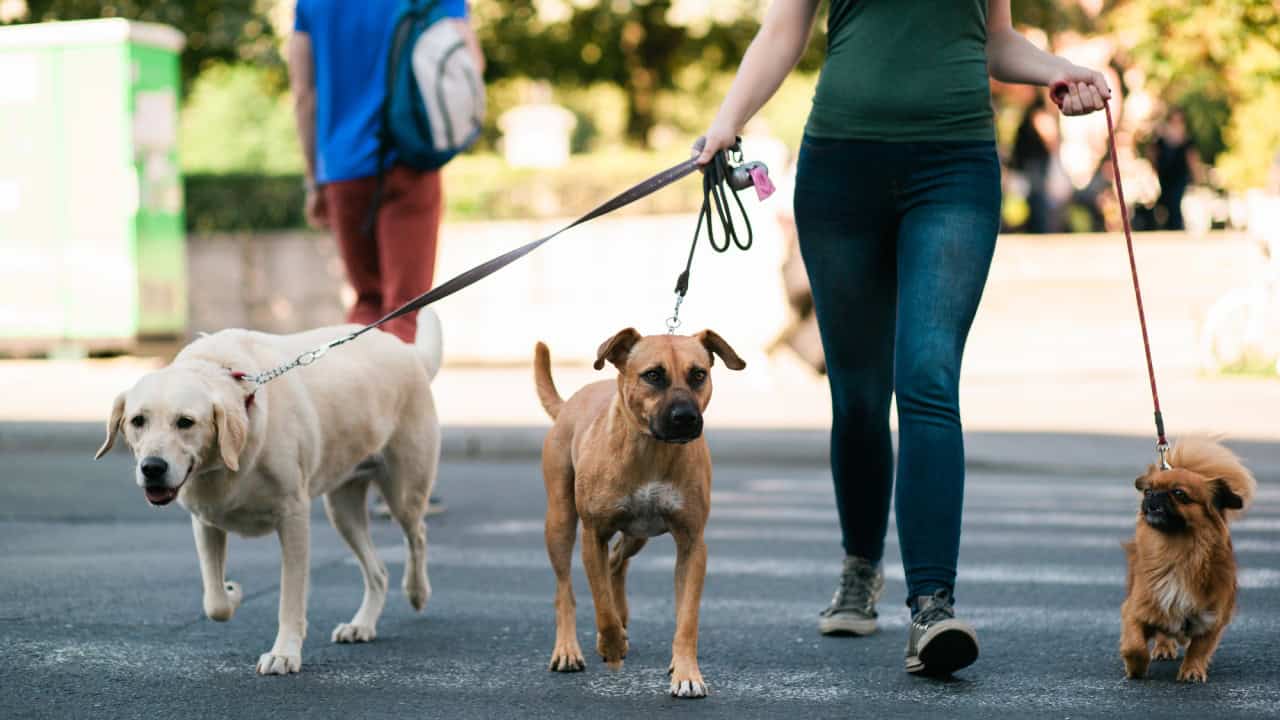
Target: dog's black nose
(154,468)
(682,416)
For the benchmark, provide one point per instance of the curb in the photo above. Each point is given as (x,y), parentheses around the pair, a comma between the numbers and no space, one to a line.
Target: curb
(1009,453)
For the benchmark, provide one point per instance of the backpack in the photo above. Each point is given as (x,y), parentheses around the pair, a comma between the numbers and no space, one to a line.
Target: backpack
(435,103)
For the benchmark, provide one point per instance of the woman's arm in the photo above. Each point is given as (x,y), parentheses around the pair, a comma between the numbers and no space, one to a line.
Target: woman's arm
(775,50)
(1012,58)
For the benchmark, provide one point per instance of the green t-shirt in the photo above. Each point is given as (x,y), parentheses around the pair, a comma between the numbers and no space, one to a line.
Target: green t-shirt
(904,70)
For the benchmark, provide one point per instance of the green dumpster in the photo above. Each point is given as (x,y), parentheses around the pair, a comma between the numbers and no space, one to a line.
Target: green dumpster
(92,244)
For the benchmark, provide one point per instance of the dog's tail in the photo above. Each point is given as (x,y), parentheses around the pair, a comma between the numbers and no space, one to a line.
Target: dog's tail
(430,341)
(547,393)
(1211,459)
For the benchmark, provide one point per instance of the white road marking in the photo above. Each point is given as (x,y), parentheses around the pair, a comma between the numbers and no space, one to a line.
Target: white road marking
(785,567)
(1120,488)
(996,518)
(970,538)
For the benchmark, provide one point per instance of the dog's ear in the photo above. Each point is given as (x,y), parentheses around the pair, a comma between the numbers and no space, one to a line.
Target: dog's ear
(113,426)
(233,431)
(616,348)
(717,346)
(1223,498)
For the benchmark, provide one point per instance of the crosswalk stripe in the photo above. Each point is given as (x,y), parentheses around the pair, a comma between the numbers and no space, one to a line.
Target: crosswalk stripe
(777,567)
(970,538)
(1120,489)
(651,607)
(1002,518)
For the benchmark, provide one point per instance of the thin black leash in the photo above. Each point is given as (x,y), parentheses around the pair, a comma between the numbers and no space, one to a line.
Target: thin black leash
(720,180)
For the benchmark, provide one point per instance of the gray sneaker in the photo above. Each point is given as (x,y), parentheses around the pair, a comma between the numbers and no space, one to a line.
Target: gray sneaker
(939,643)
(853,607)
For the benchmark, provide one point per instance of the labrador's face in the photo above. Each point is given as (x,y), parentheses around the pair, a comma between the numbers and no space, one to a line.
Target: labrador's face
(175,423)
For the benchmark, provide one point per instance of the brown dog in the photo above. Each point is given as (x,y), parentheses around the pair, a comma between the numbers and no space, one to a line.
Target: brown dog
(1182,570)
(628,458)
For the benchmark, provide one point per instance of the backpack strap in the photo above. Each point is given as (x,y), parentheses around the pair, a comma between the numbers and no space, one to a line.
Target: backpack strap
(413,11)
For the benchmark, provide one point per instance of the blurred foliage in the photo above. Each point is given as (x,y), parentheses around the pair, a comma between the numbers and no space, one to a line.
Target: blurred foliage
(216,30)
(477,187)
(641,46)
(483,186)
(1051,16)
(1220,61)
(234,121)
(239,202)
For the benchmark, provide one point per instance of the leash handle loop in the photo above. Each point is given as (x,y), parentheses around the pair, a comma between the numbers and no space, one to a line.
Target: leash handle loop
(720,180)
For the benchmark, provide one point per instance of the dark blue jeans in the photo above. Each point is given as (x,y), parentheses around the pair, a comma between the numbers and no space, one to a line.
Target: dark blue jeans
(897,239)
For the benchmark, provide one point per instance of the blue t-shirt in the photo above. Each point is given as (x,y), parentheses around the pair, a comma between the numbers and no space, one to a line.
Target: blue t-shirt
(349,46)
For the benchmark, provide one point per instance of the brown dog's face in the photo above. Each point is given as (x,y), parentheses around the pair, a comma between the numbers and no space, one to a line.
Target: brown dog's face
(174,423)
(665,380)
(1175,501)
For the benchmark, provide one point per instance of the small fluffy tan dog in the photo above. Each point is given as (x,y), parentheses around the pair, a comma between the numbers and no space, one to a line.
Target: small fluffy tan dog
(627,457)
(252,464)
(1182,570)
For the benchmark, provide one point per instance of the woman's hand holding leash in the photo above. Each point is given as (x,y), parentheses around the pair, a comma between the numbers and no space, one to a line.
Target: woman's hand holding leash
(719,137)
(1079,91)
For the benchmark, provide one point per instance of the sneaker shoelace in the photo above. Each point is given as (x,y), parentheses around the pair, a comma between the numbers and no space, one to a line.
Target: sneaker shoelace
(938,608)
(857,588)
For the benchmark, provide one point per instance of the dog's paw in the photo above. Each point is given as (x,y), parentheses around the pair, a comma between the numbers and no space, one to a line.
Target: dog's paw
(419,591)
(222,606)
(1193,674)
(567,658)
(1165,649)
(353,633)
(273,664)
(687,683)
(612,647)
(1135,663)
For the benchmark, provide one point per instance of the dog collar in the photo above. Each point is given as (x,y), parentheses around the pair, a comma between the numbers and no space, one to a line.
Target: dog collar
(241,377)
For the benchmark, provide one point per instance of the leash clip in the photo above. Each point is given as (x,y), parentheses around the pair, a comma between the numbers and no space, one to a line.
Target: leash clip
(1163,449)
(311,356)
(673,322)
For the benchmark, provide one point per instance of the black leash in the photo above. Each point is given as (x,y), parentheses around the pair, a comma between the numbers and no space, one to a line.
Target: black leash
(718,182)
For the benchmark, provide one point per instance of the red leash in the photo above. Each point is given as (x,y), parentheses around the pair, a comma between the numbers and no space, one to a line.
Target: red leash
(1162,443)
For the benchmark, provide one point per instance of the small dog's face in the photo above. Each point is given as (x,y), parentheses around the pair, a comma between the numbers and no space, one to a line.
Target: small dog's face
(665,380)
(1176,500)
(174,423)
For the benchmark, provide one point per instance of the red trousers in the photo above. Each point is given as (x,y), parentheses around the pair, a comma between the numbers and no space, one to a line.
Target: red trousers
(398,263)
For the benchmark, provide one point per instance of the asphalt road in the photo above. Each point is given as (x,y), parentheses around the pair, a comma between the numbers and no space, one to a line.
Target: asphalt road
(100,608)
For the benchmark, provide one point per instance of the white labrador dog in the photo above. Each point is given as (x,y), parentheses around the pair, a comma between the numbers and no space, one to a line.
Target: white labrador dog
(252,465)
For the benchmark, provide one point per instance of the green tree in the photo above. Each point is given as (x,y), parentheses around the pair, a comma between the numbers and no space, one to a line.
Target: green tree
(1220,61)
(216,30)
(234,122)
(634,44)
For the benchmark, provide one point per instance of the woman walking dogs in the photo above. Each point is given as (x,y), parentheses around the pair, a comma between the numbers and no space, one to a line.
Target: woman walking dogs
(897,204)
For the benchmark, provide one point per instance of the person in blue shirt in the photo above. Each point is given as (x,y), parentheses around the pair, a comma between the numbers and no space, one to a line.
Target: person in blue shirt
(337,59)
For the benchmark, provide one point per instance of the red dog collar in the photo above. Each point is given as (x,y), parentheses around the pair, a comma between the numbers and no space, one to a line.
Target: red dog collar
(248,399)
